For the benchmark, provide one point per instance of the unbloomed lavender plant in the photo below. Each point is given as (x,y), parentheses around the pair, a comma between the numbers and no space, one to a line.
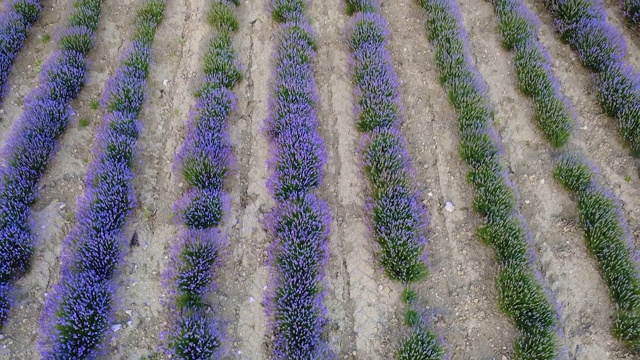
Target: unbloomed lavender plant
(299,224)
(78,314)
(15,22)
(204,162)
(608,241)
(521,296)
(32,142)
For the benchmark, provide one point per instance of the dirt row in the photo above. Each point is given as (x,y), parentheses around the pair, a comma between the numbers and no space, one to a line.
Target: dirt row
(365,315)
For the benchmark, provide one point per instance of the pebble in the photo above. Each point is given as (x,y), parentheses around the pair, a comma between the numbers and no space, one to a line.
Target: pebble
(129,323)
(165,82)
(430,194)
(116,327)
(380,287)
(251,299)
(63,206)
(129,312)
(449,206)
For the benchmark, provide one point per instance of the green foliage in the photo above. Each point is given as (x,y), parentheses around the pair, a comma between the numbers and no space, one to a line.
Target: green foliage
(534,77)
(81,42)
(515,29)
(84,122)
(554,119)
(494,198)
(354,6)
(509,239)
(222,17)
(28,10)
(220,61)
(367,31)
(626,327)
(94,104)
(411,317)
(573,173)
(86,13)
(408,296)
(147,20)
(536,346)
(421,345)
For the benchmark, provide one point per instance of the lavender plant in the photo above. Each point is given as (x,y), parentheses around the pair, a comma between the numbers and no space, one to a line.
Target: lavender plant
(631,10)
(32,141)
(204,161)
(520,294)
(398,219)
(601,47)
(299,224)
(608,241)
(15,22)
(78,313)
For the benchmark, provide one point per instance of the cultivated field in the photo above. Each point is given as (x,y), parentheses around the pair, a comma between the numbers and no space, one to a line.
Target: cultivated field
(365,315)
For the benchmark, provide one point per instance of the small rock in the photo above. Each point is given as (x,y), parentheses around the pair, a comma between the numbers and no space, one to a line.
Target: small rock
(165,82)
(63,206)
(129,323)
(251,299)
(430,194)
(129,312)
(527,202)
(116,327)
(449,206)
(542,181)
(584,127)
(380,287)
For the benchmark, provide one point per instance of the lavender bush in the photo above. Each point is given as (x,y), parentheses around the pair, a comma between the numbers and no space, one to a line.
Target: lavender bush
(299,224)
(79,311)
(398,218)
(631,10)
(601,47)
(608,241)
(15,22)
(32,142)
(521,295)
(204,161)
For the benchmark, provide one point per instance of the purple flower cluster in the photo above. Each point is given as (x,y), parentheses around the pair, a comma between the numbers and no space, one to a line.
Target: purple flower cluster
(300,222)
(79,311)
(520,292)
(15,22)
(601,47)
(204,160)
(32,142)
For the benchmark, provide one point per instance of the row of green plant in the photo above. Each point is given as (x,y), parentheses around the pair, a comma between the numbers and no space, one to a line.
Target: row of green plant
(520,292)
(397,216)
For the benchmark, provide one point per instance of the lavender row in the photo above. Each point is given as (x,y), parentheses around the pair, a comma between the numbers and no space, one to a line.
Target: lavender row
(518,27)
(79,311)
(204,161)
(32,141)
(398,218)
(299,224)
(604,227)
(601,47)
(520,293)
(15,23)
(609,242)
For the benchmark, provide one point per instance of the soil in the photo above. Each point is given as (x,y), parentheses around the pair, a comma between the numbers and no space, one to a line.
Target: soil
(364,311)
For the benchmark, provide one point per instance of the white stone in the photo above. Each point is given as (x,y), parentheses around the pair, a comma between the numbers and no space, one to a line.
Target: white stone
(116,327)
(251,299)
(449,206)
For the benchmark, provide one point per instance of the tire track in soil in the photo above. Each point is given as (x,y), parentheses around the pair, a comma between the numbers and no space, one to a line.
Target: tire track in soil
(460,290)
(244,276)
(562,256)
(358,295)
(23,76)
(63,181)
(178,48)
